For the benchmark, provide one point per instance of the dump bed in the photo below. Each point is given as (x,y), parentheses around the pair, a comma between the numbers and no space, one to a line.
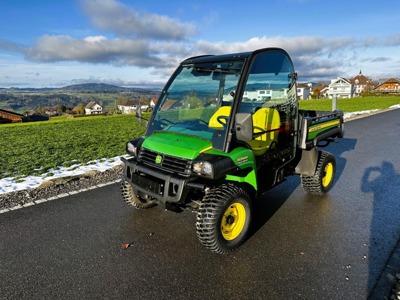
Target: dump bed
(318,128)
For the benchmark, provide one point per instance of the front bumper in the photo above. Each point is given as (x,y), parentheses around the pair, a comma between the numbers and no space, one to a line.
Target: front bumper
(163,186)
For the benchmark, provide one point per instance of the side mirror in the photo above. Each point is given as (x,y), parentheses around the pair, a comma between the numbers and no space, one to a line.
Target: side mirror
(244,127)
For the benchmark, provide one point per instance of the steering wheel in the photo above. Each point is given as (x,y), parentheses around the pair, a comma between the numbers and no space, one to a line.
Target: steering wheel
(165,122)
(194,122)
(223,120)
(202,121)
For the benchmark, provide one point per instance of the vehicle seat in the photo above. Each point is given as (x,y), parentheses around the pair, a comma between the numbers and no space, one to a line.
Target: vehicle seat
(265,120)
(223,111)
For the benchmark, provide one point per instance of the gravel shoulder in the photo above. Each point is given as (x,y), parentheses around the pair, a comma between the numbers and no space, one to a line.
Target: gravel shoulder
(59,187)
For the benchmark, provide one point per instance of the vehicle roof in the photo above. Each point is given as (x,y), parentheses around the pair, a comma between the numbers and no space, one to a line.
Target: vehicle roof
(222,57)
(210,58)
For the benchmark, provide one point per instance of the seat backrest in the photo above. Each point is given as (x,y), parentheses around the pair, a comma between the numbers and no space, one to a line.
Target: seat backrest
(265,119)
(223,111)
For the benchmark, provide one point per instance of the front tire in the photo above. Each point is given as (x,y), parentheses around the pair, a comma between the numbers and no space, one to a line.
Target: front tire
(223,219)
(133,199)
(322,181)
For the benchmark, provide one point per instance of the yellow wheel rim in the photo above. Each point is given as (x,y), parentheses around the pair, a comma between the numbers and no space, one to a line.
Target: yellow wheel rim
(328,174)
(233,221)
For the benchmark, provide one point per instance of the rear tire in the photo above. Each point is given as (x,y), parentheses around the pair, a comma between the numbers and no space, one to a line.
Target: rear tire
(322,181)
(223,219)
(132,199)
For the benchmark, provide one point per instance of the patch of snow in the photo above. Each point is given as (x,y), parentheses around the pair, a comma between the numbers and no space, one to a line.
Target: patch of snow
(366,112)
(10,184)
(357,113)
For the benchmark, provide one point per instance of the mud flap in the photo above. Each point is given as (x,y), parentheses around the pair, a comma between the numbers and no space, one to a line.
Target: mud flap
(308,162)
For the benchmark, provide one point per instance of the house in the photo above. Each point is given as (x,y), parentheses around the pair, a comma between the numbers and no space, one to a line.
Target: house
(257,95)
(153,103)
(262,95)
(340,88)
(129,107)
(389,86)
(304,91)
(93,108)
(319,90)
(34,117)
(323,93)
(7,116)
(51,112)
(361,84)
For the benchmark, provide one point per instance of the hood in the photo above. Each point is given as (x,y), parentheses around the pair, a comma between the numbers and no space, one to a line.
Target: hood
(175,144)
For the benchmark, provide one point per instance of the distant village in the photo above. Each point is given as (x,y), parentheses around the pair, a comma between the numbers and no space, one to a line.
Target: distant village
(340,87)
(92,108)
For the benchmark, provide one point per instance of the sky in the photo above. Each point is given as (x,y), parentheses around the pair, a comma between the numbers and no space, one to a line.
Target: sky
(140,43)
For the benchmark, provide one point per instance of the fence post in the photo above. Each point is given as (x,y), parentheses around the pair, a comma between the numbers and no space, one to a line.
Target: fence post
(334,102)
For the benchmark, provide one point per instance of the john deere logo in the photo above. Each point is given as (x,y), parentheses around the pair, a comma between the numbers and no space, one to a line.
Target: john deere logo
(158,159)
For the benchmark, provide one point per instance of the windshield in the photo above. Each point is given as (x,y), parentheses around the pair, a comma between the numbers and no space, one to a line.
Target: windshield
(270,82)
(198,101)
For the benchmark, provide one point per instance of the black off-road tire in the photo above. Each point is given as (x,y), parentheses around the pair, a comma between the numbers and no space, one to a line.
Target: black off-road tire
(132,199)
(224,218)
(322,181)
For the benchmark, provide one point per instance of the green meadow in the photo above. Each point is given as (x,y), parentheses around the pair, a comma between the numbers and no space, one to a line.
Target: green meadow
(352,104)
(35,148)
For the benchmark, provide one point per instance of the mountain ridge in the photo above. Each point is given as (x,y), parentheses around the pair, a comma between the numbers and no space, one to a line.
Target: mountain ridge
(83,87)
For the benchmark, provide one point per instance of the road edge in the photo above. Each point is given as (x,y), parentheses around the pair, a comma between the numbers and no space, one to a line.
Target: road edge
(59,196)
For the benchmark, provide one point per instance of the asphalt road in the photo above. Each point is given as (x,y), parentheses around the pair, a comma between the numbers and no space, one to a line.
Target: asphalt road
(302,247)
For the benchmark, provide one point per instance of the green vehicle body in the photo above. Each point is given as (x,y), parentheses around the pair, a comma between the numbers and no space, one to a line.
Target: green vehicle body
(175,147)
(205,138)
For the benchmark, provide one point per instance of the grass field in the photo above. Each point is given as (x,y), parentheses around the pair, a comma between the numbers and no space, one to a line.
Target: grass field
(352,104)
(36,148)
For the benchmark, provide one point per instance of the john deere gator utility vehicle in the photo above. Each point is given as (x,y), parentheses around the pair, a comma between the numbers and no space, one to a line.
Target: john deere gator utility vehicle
(226,128)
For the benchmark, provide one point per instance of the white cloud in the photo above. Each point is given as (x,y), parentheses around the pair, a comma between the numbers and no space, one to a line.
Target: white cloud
(314,57)
(93,50)
(296,46)
(123,20)
(95,39)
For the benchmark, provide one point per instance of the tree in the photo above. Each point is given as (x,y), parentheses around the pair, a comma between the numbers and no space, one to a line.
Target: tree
(79,109)
(316,93)
(40,110)
(144,100)
(193,102)
(121,100)
(60,108)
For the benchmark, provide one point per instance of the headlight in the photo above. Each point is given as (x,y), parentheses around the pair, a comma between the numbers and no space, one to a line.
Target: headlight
(203,168)
(131,149)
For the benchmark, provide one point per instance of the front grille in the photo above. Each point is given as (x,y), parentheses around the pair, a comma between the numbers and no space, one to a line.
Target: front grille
(168,163)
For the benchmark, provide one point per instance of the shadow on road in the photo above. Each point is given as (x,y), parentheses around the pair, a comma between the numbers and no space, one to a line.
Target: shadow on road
(270,202)
(384,182)
(273,199)
(338,150)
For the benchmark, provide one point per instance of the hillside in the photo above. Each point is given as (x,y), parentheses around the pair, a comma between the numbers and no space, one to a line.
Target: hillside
(29,99)
(93,87)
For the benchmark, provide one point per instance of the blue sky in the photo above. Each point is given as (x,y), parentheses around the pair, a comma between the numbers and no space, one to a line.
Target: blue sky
(139,43)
